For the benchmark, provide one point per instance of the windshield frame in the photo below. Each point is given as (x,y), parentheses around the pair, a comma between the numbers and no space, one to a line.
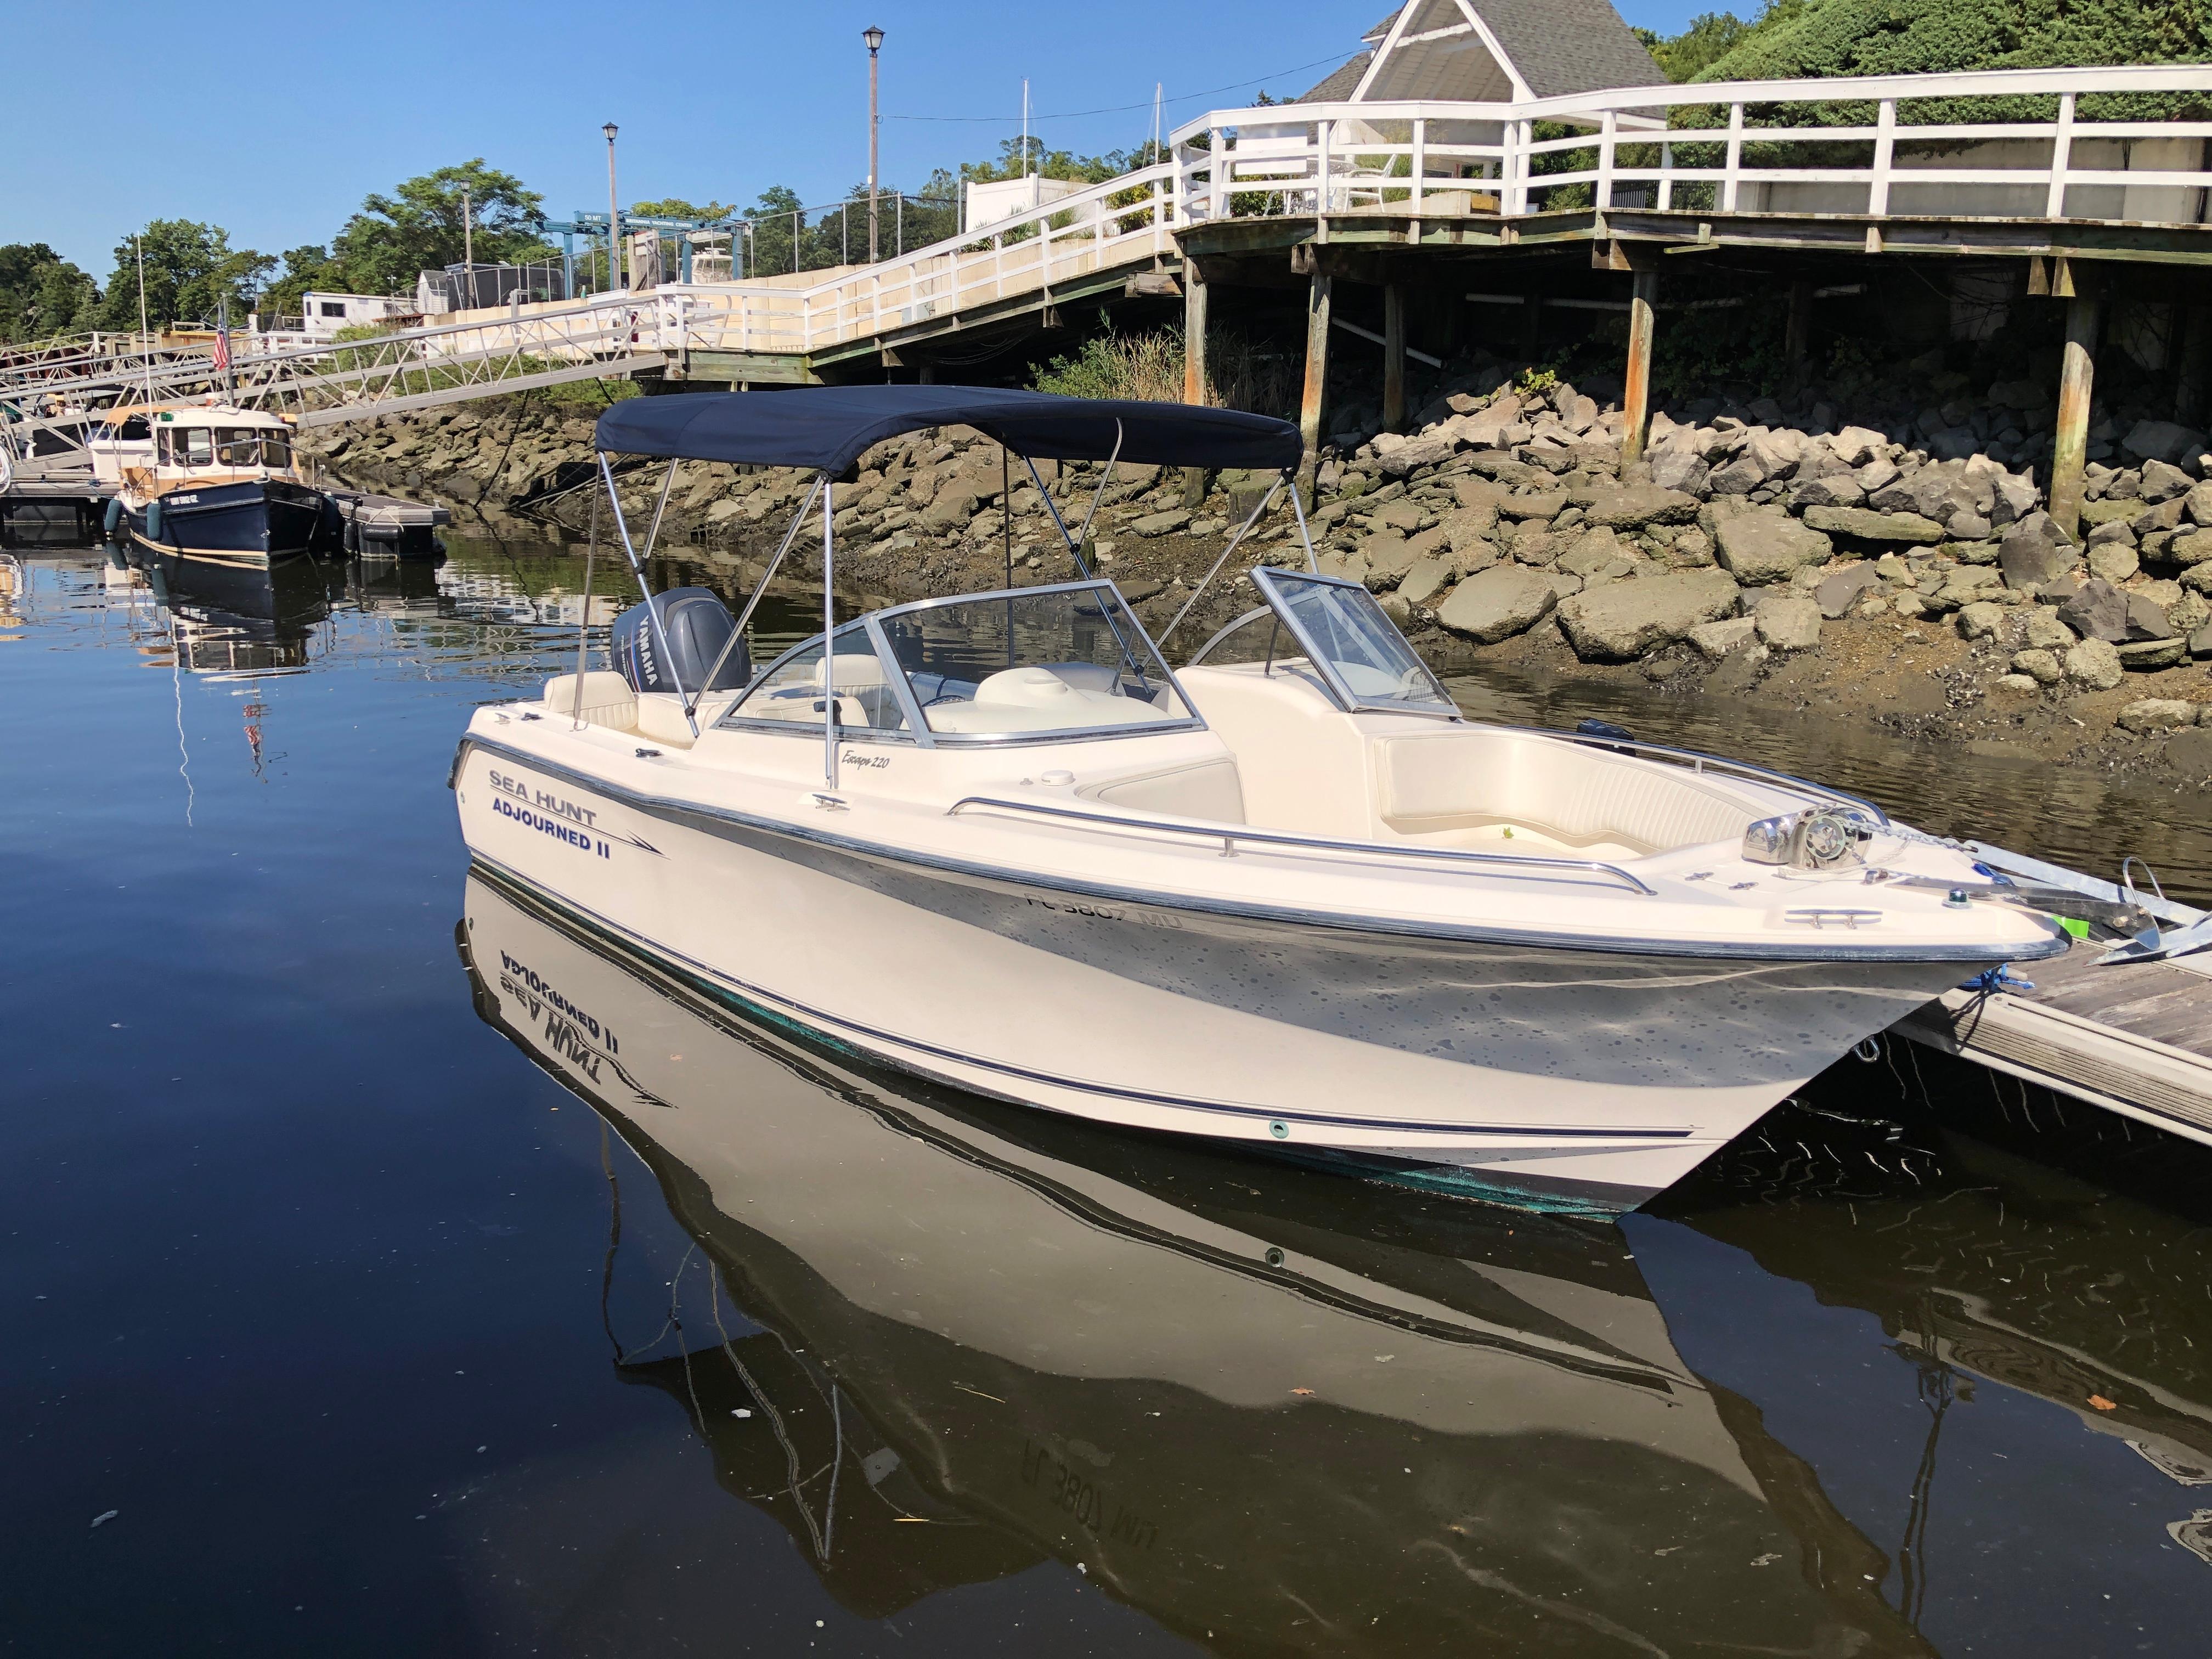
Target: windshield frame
(1266,578)
(732,719)
(920,731)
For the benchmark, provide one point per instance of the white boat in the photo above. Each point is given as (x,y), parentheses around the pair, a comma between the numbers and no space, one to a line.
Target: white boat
(1178,1372)
(1285,896)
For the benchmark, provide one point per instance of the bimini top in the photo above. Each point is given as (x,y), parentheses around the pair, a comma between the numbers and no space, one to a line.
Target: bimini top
(825,429)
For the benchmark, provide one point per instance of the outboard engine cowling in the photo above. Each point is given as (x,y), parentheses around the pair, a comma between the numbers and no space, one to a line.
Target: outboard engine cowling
(695,625)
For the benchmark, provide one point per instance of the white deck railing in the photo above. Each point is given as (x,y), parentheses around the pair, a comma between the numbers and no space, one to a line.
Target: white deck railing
(1123,221)
(1723,147)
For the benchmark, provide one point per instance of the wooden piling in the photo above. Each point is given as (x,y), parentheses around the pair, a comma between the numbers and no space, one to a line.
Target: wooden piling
(1797,338)
(1636,402)
(1194,369)
(1194,334)
(2194,380)
(2076,385)
(1394,357)
(1318,297)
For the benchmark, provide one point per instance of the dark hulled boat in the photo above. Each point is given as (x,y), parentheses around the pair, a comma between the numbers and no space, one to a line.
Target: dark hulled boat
(212,484)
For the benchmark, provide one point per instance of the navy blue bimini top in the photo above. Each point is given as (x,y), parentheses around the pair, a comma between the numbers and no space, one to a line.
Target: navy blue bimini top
(826,429)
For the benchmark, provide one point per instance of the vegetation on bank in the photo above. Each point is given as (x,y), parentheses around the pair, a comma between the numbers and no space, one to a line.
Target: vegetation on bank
(1149,366)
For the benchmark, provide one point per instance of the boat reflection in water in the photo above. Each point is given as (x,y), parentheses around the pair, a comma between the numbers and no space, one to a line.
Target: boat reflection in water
(240,620)
(1277,1413)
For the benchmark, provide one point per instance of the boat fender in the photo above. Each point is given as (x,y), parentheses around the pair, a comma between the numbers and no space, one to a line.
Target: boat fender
(153,519)
(112,518)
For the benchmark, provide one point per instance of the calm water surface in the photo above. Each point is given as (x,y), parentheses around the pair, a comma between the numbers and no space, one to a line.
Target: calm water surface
(384,1270)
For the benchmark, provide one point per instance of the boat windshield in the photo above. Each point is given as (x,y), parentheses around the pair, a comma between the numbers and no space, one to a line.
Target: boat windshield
(225,446)
(792,691)
(1358,649)
(1055,659)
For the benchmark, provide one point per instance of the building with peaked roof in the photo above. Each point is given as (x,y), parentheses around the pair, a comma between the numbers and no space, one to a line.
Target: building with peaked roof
(1491,52)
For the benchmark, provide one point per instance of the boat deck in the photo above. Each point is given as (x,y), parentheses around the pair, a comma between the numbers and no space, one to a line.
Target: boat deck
(2132,1037)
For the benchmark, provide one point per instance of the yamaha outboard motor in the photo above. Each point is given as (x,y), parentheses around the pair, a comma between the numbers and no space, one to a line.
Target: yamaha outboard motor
(695,625)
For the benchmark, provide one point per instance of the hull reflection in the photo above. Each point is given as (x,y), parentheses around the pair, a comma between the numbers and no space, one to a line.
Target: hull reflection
(1278,1413)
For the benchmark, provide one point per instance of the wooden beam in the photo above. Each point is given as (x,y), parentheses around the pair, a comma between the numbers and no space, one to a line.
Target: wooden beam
(1394,356)
(2076,385)
(1318,297)
(1644,298)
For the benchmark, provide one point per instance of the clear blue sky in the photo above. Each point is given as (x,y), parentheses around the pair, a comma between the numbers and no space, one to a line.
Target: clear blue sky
(275,123)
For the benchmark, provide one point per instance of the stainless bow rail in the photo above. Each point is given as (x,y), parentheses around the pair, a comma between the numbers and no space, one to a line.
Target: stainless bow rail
(1230,836)
(1700,762)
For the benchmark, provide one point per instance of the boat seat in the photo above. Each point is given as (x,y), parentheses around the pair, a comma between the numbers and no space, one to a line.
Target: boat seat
(1578,797)
(1035,698)
(661,715)
(607,700)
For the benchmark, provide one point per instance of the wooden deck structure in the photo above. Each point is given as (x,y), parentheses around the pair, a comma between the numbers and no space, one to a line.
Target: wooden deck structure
(2133,1038)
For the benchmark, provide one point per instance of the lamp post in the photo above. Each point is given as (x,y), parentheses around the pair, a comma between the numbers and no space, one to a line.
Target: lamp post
(874,37)
(468,246)
(614,215)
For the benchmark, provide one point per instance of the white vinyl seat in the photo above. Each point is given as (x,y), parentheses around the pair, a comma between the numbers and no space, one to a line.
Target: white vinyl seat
(661,715)
(607,700)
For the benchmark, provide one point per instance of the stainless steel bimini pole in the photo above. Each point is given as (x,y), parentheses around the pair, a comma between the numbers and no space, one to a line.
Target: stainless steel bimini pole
(1204,581)
(791,535)
(637,569)
(829,650)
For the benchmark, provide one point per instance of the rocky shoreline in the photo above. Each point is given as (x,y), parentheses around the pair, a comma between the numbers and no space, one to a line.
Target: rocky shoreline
(1753,549)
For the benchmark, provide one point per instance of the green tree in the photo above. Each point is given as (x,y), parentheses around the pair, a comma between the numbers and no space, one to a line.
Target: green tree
(41,294)
(675,207)
(308,267)
(1711,34)
(190,268)
(417,227)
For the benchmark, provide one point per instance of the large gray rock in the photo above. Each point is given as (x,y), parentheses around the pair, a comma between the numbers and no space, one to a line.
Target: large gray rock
(2113,561)
(1402,516)
(1152,524)
(1630,507)
(2097,610)
(1870,526)
(2095,663)
(1715,640)
(1827,489)
(2043,666)
(1431,449)
(1591,553)
(1545,504)
(2012,498)
(1427,579)
(1619,622)
(2161,482)
(2197,503)
(2156,714)
(1836,594)
(1498,602)
(2148,619)
(2034,554)
(2162,441)
(1388,557)
(1787,623)
(1465,527)
(1679,468)
(1765,545)
(2195,548)
(1980,619)
(1854,446)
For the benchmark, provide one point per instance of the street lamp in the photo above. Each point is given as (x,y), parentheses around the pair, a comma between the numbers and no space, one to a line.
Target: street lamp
(874,37)
(614,215)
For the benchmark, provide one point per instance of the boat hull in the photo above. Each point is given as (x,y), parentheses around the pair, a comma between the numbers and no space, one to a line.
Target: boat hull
(251,524)
(1587,1079)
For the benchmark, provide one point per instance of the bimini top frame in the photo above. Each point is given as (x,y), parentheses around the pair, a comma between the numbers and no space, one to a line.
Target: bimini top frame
(826,429)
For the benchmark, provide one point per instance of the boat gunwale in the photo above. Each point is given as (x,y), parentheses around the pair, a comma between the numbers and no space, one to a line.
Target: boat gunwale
(675,810)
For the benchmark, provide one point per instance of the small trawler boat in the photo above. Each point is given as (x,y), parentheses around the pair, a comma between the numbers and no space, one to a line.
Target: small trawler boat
(1286,895)
(208,482)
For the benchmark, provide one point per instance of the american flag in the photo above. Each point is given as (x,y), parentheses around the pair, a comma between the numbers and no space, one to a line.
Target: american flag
(222,348)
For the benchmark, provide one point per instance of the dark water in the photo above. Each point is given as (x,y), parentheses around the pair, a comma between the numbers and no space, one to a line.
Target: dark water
(405,1276)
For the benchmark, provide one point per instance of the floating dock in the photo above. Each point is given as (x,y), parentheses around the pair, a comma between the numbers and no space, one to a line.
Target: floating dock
(2133,1037)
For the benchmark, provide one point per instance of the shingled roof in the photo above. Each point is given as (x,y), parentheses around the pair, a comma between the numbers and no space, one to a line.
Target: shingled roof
(1552,47)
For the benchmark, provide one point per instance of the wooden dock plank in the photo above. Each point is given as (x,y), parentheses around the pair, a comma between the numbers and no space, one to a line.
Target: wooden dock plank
(2132,1037)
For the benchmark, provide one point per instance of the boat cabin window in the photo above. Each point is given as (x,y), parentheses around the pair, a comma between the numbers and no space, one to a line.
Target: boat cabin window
(791,692)
(225,446)
(1025,662)
(1358,649)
